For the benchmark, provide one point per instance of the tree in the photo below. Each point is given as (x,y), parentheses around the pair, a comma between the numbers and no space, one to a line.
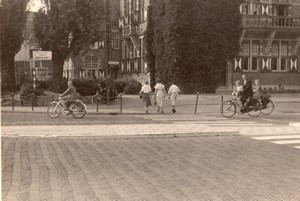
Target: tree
(13,19)
(193,40)
(67,28)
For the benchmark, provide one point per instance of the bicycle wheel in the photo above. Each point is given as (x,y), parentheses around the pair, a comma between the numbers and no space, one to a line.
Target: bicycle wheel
(228,109)
(54,110)
(78,110)
(254,110)
(268,109)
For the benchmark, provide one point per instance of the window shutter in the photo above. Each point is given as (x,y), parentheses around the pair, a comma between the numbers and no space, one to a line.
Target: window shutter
(237,64)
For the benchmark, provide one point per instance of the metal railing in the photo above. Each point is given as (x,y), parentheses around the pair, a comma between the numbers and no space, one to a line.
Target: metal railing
(116,102)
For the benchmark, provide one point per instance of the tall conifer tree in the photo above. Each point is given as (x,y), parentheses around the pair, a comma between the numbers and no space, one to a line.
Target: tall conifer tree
(193,40)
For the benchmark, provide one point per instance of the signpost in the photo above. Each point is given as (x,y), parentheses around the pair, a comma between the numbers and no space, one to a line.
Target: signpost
(42,55)
(38,56)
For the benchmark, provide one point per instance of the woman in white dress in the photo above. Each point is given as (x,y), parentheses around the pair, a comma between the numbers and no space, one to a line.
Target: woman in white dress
(159,95)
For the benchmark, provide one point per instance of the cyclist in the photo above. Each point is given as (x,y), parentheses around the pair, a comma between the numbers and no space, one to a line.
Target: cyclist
(247,90)
(71,96)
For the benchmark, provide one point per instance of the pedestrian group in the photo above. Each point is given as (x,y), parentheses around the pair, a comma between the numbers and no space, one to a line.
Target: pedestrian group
(159,95)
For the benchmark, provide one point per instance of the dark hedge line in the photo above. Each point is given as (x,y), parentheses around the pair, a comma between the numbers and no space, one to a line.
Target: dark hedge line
(88,87)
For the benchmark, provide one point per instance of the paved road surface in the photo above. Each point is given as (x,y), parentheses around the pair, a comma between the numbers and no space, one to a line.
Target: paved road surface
(200,168)
(150,157)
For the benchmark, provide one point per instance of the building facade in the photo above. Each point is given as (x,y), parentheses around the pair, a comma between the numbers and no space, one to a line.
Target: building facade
(133,24)
(269,44)
(103,57)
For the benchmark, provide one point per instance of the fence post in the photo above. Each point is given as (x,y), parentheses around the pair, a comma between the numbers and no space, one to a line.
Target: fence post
(97,108)
(33,97)
(121,104)
(52,97)
(196,105)
(221,98)
(13,101)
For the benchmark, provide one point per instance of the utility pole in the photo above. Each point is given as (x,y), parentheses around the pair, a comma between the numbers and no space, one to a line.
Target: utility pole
(107,8)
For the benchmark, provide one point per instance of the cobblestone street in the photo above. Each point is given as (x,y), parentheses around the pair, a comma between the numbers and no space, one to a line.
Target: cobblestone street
(201,168)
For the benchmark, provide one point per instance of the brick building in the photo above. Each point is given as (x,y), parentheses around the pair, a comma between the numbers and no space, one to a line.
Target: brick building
(269,44)
(133,23)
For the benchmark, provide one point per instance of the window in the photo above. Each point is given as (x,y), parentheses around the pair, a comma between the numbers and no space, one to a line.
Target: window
(257,8)
(246,47)
(284,48)
(256,63)
(245,63)
(255,47)
(115,41)
(91,62)
(244,9)
(275,48)
(274,64)
(91,65)
(283,64)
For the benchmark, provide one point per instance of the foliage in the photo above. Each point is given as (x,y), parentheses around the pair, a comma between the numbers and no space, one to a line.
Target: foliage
(150,57)
(12,22)
(68,27)
(132,87)
(89,87)
(191,41)
(26,89)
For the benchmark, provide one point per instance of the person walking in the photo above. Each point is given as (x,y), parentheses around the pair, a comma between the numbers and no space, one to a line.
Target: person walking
(173,93)
(159,95)
(145,94)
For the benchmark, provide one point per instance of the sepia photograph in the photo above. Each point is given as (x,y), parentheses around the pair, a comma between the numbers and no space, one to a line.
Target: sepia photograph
(150,100)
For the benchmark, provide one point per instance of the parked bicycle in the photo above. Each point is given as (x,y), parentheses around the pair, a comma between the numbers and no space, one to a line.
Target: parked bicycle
(77,109)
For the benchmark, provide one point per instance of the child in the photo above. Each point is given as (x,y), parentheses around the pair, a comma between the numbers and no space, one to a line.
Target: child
(173,93)
(239,89)
(257,90)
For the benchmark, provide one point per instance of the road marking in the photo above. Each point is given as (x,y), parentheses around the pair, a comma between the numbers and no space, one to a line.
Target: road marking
(286,142)
(274,120)
(224,123)
(277,137)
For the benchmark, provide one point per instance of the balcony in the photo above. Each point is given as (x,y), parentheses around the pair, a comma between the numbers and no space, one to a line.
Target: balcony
(129,31)
(253,21)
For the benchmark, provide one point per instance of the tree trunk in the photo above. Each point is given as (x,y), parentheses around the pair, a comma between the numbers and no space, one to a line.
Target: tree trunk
(8,82)
(57,75)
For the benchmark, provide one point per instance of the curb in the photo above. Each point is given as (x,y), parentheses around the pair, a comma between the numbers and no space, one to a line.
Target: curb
(134,136)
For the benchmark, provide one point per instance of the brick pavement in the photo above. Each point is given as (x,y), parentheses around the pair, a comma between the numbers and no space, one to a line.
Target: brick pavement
(206,168)
(103,162)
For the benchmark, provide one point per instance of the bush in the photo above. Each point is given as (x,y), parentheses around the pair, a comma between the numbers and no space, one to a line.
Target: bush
(133,87)
(50,85)
(26,88)
(90,87)
(86,87)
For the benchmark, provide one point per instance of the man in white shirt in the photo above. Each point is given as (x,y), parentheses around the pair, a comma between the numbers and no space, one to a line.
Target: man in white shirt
(173,93)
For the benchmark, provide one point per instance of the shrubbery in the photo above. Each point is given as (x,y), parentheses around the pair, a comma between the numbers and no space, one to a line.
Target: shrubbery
(88,87)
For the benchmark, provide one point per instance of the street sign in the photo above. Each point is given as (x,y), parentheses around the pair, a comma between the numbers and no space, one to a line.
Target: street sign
(42,55)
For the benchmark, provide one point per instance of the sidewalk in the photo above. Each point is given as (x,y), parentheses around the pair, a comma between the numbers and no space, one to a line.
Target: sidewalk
(207,103)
